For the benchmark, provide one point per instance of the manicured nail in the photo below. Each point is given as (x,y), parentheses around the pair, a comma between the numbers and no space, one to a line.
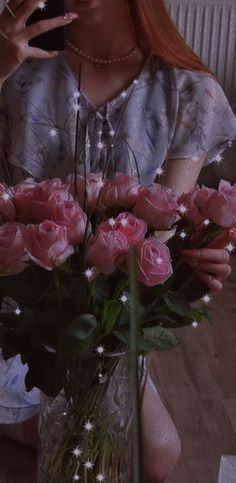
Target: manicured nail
(69,16)
(53,53)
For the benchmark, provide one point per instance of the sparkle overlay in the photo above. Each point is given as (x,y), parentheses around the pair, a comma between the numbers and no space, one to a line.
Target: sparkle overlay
(77,452)
(206,299)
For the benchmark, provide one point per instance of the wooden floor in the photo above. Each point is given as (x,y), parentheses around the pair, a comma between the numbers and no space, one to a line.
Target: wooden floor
(197,381)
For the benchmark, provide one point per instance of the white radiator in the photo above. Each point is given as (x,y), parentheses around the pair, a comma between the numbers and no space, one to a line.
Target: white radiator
(209,27)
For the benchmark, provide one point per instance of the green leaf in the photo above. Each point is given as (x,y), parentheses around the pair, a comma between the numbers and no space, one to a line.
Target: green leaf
(159,338)
(100,290)
(124,336)
(123,319)
(178,304)
(78,338)
(111,312)
(45,372)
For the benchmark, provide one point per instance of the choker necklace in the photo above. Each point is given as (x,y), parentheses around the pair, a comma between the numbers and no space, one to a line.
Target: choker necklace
(98,62)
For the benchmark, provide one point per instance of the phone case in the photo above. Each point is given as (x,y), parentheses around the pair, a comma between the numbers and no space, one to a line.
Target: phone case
(54,39)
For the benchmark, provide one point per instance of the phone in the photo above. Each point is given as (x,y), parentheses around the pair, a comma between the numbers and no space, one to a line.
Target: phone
(54,39)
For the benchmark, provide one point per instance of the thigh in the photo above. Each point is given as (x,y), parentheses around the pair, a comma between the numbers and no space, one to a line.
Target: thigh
(160,439)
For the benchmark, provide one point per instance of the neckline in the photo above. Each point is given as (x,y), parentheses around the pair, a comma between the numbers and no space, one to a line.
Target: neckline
(121,96)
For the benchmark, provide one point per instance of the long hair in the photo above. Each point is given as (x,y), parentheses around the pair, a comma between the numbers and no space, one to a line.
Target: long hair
(157,34)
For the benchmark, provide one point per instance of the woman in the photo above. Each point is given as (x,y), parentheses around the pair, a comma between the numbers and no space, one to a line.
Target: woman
(141,87)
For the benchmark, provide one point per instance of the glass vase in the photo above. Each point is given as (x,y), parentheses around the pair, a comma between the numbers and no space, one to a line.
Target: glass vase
(84,431)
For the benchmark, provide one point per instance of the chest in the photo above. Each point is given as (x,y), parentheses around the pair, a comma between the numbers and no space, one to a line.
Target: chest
(104,83)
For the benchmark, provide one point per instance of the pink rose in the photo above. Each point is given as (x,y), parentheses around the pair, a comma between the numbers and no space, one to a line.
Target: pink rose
(153,263)
(44,204)
(106,251)
(13,255)
(121,191)
(24,193)
(194,203)
(221,206)
(131,227)
(48,245)
(94,188)
(226,238)
(7,208)
(157,206)
(70,215)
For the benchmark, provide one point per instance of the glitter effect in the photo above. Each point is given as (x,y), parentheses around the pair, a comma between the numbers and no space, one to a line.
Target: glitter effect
(77,452)
(76,95)
(230,248)
(100,145)
(53,133)
(18,311)
(76,478)
(182,209)
(6,196)
(100,350)
(124,222)
(124,299)
(206,299)
(41,5)
(100,477)
(88,465)
(195,324)
(159,261)
(88,426)
(159,171)
(111,222)
(89,273)
(76,107)
(218,158)
(183,235)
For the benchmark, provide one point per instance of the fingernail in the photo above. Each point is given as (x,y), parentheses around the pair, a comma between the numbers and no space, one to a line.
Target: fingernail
(69,16)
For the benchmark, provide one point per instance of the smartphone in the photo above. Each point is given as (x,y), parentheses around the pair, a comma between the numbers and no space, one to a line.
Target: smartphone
(54,39)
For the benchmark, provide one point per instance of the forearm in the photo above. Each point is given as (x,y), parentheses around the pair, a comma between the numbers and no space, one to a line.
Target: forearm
(181,174)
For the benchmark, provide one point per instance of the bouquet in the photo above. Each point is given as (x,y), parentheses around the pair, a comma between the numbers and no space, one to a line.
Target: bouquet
(66,298)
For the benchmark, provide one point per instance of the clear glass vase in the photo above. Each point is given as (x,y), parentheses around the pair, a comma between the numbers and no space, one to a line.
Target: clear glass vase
(85,435)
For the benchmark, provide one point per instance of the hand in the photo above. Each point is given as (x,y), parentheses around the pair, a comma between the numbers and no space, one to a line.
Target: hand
(15,35)
(210,265)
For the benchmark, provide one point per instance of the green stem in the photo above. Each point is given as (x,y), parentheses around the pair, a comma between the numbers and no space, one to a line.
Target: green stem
(134,337)
(58,287)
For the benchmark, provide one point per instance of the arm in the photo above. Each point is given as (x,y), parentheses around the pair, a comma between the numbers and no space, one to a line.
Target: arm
(210,265)
(181,174)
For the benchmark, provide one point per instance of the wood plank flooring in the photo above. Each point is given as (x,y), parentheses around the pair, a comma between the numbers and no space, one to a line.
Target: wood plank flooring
(197,382)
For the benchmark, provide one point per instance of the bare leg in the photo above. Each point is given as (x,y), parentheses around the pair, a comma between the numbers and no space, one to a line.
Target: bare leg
(160,441)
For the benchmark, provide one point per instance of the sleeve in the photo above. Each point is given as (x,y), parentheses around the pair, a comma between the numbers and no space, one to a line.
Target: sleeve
(205,122)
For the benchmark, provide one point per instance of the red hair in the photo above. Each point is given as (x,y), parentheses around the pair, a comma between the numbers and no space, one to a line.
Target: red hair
(156,33)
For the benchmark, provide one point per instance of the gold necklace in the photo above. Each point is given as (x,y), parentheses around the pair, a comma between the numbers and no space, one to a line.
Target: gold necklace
(99,61)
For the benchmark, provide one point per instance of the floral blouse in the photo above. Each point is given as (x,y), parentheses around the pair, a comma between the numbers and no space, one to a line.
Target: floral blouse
(164,113)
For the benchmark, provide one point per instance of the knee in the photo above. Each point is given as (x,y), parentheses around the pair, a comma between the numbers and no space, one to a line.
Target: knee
(161,461)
